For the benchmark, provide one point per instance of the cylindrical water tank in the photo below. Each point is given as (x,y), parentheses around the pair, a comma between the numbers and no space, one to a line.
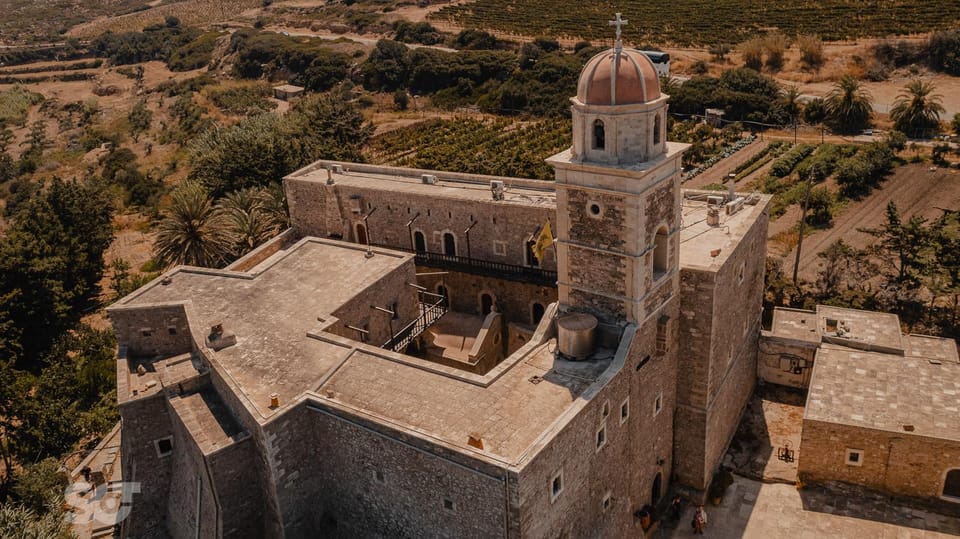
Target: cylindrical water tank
(575,332)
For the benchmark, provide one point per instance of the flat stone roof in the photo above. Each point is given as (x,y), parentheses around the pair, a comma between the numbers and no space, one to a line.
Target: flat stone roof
(272,309)
(906,395)
(282,348)
(795,324)
(868,330)
(698,239)
(509,414)
(450,185)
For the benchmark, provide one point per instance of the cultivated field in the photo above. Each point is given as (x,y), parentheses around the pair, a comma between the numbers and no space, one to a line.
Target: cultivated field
(706,22)
(915,189)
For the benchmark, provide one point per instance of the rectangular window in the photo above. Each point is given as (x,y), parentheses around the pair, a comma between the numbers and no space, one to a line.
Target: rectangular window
(607,501)
(556,486)
(606,409)
(602,437)
(145,332)
(854,457)
(164,446)
(379,476)
(499,248)
(624,410)
(658,404)
(449,505)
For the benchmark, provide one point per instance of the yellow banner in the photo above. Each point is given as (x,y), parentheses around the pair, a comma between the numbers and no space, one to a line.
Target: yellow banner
(544,241)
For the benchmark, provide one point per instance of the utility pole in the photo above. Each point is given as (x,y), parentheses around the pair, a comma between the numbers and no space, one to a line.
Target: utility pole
(803,220)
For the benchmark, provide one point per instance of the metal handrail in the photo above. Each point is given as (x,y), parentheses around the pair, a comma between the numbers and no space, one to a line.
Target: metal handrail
(429,313)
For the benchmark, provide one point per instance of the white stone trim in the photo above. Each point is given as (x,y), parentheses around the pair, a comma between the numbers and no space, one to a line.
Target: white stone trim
(850,452)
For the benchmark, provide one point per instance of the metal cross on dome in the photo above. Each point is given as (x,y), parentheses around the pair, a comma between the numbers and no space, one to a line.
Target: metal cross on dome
(619,23)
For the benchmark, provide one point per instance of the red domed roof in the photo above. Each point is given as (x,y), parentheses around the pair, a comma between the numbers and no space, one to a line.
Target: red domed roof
(633,81)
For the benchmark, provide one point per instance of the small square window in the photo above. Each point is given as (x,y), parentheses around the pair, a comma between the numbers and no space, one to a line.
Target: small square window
(601,437)
(146,332)
(379,475)
(624,410)
(449,505)
(164,446)
(172,331)
(556,486)
(607,501)
(855,457)
(499,248)
(658,404)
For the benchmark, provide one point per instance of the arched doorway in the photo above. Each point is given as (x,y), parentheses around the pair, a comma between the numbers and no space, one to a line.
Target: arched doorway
(449,244)
(486,304)
(442,291)
(361,234)
(419,242)
(951,484)
(655,492)
(536,312)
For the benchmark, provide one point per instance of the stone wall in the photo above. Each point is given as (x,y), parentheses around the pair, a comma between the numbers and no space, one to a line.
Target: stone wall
(509,225)
(152,329)
(624,469)
(358,311)
(779,359)
(514,299)
(896,463)
(144,421)
(720,326)
(345,477)
(188,480)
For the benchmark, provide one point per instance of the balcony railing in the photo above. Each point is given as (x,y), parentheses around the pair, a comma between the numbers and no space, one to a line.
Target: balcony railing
(476,266)
(432,307)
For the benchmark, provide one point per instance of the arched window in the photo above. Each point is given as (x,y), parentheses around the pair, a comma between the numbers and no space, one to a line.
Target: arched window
(656,129)
(599,135)
(660,253)
(486,304)
(361,234)
(536,312)
(531,258)
(419,242)
(951,484)
(449,244)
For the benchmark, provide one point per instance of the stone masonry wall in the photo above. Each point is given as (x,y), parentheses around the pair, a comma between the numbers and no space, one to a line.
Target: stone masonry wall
(508,225)
(152,330)
(144,421)
(777,357)
(232,471)
(358,311)
(188,469)
(342,478)
(896,463)
(719,336)
(514,299)
(624,469)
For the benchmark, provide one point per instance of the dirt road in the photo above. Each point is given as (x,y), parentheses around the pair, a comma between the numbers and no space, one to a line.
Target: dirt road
(916,189)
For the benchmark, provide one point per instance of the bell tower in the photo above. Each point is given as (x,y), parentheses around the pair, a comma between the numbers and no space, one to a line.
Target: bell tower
(618,192)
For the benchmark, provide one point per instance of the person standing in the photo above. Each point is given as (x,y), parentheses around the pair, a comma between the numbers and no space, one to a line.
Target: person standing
(699,520)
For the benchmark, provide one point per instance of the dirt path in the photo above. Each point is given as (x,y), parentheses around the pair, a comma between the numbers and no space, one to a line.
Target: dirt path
(916,190)
(718,172)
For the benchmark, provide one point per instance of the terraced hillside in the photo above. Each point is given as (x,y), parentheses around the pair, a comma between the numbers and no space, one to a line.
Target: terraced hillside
(686,22)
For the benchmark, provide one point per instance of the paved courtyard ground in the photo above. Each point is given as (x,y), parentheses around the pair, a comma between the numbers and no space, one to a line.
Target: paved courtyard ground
(752,509)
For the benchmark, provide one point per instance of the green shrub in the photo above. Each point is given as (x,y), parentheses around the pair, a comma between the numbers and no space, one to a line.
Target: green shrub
(785,164)
(243,100)
(15,103)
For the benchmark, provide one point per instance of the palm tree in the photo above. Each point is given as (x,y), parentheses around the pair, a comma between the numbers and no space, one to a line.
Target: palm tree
(790,98)
(848,106)
(193,231)
(917,109)
(252,217)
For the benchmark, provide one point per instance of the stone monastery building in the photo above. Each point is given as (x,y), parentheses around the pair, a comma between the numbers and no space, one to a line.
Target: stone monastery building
(400,364)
